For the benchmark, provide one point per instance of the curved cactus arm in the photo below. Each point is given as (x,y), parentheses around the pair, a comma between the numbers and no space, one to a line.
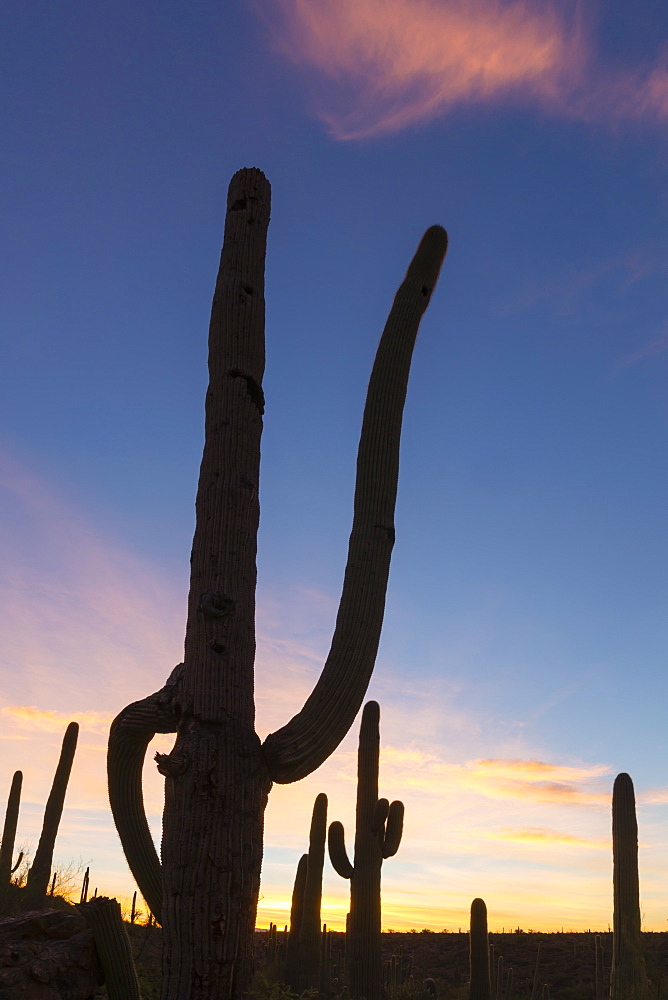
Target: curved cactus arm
(393,830)
(338,855)
(131,732)
(103,916)
(379,816)
(315,732)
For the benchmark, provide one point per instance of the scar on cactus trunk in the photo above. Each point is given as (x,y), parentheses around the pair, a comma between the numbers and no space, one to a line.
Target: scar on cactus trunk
(628,976)
(218,775)
(378,829)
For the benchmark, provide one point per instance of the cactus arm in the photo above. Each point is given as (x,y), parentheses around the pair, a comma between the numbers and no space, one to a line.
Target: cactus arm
(337,851)
(380,816)
(9,829)
(40,871)
(393,830)
(314,733)
(103,916)
(131,732)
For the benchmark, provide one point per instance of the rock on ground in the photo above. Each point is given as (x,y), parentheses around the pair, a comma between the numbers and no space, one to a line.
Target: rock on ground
(48,955)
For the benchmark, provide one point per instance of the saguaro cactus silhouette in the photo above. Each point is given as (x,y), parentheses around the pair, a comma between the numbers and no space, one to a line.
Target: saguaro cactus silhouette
(480,985)
(40,870)
(291,971)
(218,775)
(310,932)
(9,830)
(378,830)
(628,977)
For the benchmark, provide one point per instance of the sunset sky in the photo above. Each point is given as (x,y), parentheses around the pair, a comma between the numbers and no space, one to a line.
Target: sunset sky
(523,658)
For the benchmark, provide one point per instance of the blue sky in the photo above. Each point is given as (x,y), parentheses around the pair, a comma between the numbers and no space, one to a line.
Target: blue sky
(522,663)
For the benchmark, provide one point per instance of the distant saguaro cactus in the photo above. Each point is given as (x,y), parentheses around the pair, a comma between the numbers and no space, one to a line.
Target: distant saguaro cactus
(9,830)
(40,870)
(378,830)
(218,775)
(291,973)
(481,981)
(628,976)
(310,931)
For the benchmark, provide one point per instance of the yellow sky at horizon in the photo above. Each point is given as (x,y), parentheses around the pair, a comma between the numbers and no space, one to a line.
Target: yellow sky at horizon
(529,836)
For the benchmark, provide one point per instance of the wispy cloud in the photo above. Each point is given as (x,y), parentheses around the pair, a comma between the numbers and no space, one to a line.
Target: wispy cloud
(383,65)
(653,348)
(544,837)
(537,780)
(78,607)
(29,717)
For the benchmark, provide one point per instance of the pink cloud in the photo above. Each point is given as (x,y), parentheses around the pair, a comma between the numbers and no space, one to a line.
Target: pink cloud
(382,65)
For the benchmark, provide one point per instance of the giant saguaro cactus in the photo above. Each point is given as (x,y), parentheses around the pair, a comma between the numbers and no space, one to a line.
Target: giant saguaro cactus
(218,775)
(40,870)
(628,977)
(378,829)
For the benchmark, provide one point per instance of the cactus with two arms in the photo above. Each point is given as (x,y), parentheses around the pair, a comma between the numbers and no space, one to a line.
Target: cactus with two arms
(204,890)
(378,829)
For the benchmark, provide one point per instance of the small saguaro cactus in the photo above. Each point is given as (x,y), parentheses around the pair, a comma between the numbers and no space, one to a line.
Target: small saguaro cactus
(628,976)
(480,987)
(9,830)
(599,990)
(296,913)
(378,830)
(40,870)
(310,944)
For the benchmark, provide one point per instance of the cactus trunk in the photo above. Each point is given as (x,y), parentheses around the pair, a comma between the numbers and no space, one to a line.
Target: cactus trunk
(218,775)
(291,973)
(480,987)
(40,870)
(103,916)
(310,931)
(628,977)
